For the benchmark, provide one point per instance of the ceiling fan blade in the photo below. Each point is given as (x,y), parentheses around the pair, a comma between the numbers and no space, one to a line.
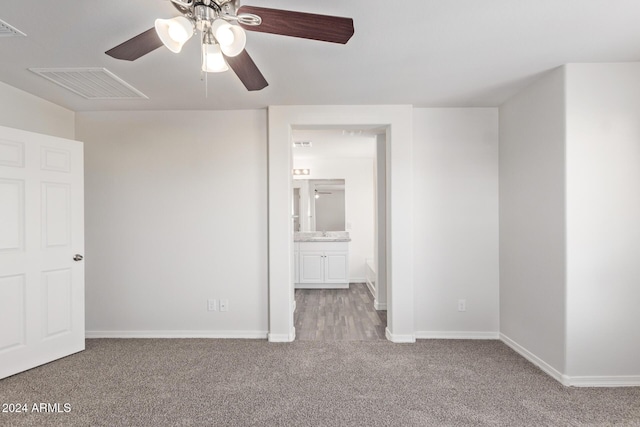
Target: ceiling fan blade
(247,71)
(137,46)
(326,28)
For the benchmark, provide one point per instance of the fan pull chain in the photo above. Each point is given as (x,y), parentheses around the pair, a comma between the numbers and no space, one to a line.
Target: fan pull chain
(203,60)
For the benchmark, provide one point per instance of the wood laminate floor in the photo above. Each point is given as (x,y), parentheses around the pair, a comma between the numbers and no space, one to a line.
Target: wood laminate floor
(338,315)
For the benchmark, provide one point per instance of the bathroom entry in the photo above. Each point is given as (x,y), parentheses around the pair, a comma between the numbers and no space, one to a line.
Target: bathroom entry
(337,195)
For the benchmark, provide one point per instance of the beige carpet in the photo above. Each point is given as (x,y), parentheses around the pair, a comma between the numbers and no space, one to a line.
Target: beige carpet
(199,382)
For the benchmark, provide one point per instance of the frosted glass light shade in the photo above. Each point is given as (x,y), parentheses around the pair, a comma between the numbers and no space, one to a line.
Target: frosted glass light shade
(174,32)
(212,59)
(232,38)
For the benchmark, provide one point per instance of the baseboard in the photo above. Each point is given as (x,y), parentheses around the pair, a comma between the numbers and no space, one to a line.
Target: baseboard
(572,381)
(457,335)
(357,279)
(321,286)
(371,288)
(177,334)
(397,338)
(602,381)
(290,337)
(379,306)
(544,366)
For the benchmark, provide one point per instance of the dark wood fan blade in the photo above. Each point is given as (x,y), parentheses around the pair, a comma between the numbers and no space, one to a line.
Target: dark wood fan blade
(136,47)
(325,28)
(247,71)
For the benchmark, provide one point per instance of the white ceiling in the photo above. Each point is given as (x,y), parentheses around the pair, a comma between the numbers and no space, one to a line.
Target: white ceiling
(442,53)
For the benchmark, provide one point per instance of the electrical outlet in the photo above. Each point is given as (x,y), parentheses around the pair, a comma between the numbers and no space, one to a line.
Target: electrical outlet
(224,305)
(212,305)
(462,305)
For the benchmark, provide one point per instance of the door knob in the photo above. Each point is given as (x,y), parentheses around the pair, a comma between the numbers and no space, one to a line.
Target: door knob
(78,257)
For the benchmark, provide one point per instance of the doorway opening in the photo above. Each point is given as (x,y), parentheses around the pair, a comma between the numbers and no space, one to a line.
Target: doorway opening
(396,120)
(338,195)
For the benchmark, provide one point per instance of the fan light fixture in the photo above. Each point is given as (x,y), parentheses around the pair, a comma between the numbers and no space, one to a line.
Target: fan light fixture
(218,36)
(174,32)
(212,59)
(232,38)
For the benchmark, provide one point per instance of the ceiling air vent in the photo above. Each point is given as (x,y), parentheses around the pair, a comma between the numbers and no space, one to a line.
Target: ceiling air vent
(7,30)
(91,83)
(302,144)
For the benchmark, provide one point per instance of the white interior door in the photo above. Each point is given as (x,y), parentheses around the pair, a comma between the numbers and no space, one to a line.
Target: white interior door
(41,231)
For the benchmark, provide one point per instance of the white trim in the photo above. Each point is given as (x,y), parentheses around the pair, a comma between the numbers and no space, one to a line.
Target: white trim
(290,337)
(399,338)
(611,381)
(379,306)
(322,286)
(177,334)
(577,381)
(397,121)
(548,369)
(357,280)
(458,335)
(372,290)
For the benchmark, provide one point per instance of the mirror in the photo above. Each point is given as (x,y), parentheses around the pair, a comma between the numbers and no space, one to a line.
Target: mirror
(318,205)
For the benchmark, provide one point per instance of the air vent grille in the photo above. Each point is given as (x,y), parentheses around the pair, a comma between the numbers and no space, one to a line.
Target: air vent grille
(7,30)
(91,83)
(302,144)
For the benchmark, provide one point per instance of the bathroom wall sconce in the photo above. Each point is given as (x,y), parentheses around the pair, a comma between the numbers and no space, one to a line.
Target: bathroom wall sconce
(301,171)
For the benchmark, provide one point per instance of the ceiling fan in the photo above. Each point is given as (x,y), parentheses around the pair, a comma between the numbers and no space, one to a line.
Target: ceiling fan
(221,25)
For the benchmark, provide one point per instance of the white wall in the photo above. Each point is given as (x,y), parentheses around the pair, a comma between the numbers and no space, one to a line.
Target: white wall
(455,193)
(21,110)
(603,220)
(569,228)
(359,203)
(532,219)
(176,213)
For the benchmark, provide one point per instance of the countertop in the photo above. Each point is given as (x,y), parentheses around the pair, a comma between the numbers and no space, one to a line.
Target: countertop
(319,236)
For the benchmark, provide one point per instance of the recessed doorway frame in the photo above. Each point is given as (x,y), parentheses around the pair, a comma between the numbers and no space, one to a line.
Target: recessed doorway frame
(397,120)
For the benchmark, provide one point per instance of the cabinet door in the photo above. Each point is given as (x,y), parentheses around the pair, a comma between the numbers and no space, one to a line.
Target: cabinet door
(311,267)
(336,267)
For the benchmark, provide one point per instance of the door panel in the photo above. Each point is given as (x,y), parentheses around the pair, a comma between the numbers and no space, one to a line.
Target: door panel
(12,304)
(336,269)
(11,215)
(41,228)
(311,267)
(57,296)
(11,153)
(55,214)
(56,159)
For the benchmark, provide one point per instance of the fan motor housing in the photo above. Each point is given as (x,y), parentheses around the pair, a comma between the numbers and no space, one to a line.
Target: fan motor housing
(218,5)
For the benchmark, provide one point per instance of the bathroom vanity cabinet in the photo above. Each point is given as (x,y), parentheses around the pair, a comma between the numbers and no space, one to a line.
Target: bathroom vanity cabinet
(322,264)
